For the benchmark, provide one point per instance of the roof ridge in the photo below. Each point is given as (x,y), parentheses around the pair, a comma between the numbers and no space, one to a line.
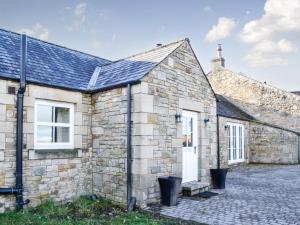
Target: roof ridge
(57,45)
(146,51)
(153,49)
(257,81)
(137,79)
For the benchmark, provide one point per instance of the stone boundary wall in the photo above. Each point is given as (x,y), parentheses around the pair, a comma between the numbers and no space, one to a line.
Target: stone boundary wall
(272,145)
(265,102)
(223,140)
(60,176)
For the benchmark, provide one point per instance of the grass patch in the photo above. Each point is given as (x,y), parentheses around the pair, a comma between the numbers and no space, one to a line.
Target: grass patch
(83,212)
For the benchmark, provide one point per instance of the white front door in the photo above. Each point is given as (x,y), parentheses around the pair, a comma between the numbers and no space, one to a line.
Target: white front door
(189,147)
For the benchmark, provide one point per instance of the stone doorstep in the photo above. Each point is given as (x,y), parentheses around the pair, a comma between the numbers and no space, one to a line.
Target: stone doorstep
(194,187)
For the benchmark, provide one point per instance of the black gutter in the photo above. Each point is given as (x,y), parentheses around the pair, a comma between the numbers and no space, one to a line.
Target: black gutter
(235,118)
(130,200)
(123,84)
(6,77)
(18,190)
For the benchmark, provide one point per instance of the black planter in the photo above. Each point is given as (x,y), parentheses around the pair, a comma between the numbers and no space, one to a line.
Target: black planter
(218,177)
(169,189)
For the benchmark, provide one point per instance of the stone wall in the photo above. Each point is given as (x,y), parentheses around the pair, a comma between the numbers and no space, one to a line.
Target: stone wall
(264,102)
(223,139)
(57,175)
(272,145)
(176,84)
(109,144)
(98,162)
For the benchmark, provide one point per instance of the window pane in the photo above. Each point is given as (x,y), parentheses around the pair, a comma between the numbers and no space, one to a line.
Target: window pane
(234,142)
(229,143)
(62,134)
(184,131)
(44,113)
(190,132)
(62,115)
(241,143)
(44,134)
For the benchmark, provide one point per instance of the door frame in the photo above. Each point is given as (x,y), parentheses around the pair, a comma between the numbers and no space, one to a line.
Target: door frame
(195,146)
(238,146)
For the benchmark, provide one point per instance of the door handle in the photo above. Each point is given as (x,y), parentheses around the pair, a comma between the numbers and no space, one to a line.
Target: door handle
(195,149)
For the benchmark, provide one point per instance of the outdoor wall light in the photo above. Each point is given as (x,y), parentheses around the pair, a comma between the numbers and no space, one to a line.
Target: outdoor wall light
(226,127)
(178,118)
(206,120)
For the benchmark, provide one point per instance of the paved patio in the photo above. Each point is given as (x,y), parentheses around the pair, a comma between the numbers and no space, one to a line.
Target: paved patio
(254,195)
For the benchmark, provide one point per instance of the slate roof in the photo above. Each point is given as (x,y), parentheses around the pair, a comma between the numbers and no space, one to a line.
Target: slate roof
(228,109)
(47,63)
(133,68)
(57,66)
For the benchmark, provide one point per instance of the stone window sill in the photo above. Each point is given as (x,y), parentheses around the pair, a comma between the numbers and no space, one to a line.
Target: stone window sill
(54,153)
(40,151)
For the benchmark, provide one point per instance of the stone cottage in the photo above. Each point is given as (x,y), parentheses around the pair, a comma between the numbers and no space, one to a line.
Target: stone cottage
(258,123)
(83,115)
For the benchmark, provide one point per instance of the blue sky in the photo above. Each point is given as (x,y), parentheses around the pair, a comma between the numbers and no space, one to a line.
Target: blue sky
(259,38)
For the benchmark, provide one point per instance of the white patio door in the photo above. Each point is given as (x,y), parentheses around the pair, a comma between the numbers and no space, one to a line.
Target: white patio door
(236,143)
(189,146)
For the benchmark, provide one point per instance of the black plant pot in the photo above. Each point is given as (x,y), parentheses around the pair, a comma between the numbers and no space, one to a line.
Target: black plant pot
(218,178)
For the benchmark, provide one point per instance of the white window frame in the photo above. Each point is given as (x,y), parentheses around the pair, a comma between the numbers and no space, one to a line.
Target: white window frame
(62,145)
(240,143)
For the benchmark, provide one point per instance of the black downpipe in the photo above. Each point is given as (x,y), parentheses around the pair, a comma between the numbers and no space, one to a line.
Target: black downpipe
(218,143)
(298,148)
(18,190)
(130,200)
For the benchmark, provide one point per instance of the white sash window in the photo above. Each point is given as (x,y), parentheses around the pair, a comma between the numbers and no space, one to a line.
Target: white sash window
(235,143)
(54,125)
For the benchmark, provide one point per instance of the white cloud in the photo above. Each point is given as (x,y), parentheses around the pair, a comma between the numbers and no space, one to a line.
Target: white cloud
(113,37)
(269,53)
(280,16)
(280,19)
(221,30)
(38,31)
(248,12)
(207,9)
(80,11)
(79,14)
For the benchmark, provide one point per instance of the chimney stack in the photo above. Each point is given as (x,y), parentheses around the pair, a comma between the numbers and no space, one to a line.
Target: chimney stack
(219,62)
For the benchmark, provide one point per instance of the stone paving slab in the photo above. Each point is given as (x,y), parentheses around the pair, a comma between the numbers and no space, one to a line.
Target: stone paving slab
(255,195)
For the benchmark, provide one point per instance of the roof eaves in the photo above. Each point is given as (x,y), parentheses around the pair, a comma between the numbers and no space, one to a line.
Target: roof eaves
(234,117)
(110,87)
(8,77)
